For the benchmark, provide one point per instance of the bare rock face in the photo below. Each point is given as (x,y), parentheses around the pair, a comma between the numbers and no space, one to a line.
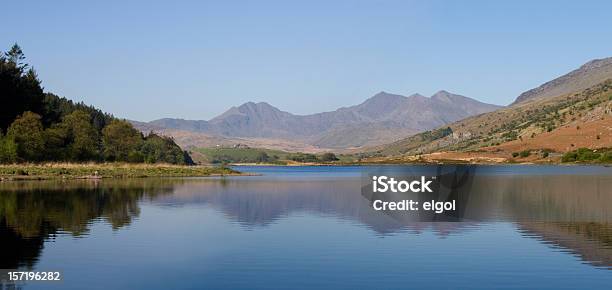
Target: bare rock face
(382,118)
(586,76)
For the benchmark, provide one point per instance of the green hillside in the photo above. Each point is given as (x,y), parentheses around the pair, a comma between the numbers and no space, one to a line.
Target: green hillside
(261,155)
(241,155)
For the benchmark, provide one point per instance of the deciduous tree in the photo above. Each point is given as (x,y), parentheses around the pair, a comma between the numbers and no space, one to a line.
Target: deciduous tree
(27,133)
(83,137)
(119,138)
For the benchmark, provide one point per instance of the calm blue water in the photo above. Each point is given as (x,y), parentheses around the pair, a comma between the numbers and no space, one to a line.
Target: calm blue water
(304,228)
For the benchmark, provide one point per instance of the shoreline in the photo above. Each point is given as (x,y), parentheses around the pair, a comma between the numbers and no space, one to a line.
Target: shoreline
(96,171)
(424,163)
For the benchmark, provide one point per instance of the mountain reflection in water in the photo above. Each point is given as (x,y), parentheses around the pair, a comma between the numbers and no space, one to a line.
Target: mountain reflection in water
(570,212)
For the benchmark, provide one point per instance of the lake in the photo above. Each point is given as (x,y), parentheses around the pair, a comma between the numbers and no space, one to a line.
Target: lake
(537,227)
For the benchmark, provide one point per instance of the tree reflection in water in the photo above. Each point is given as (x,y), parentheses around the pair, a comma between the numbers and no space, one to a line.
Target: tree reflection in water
(31,212)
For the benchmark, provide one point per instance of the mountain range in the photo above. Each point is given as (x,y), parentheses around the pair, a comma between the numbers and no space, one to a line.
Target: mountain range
(391,124)
(383,118)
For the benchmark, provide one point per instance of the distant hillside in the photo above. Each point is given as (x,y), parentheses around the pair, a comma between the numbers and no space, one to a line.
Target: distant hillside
(381,118)
(586,76)
(540,129)
(187,139)
(560,116)
(244,154)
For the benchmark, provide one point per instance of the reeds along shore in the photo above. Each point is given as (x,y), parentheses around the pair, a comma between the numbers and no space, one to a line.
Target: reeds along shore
(34,171)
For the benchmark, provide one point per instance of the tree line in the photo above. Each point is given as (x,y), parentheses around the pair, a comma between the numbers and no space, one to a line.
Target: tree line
(36,126)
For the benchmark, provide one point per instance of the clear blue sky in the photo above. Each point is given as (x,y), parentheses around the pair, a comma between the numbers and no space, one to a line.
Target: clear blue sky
(194,59)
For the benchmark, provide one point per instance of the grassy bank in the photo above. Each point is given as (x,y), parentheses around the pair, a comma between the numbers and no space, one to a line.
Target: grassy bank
(106,170)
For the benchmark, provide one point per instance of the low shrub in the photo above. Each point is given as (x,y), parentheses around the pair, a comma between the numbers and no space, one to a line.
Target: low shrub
(606,157)
(586,155)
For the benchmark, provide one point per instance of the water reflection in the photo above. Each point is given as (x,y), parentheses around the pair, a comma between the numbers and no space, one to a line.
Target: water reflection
(572,212)
(254,202)
(590,241)
(31,212)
